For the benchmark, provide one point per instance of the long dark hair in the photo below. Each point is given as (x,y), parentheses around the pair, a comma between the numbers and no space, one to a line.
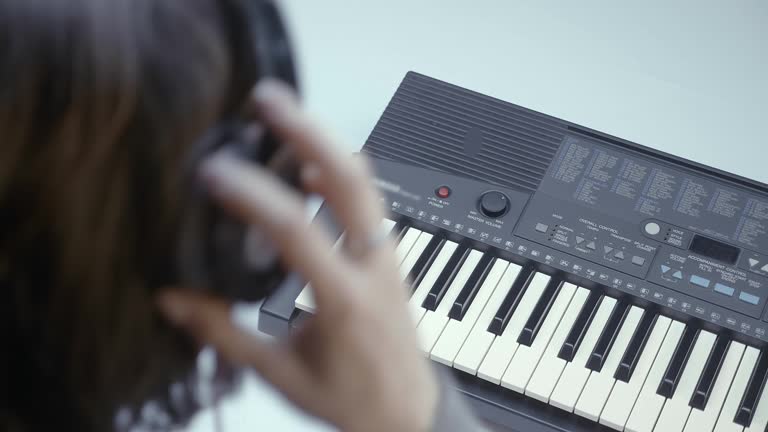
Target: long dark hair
(98,101)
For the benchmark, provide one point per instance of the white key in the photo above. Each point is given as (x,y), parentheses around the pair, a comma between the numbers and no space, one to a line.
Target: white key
(624,394)
(503,348)
(725,421)
(760,419)
(414,304)
(387,225)
(306,300)
(598,388)
(527,358)
(456,332)
(414,254)
(649,403)
(406,243)
(705,420)
(551,366)
(676,410)
(480,339)
(431,326)
(575,374)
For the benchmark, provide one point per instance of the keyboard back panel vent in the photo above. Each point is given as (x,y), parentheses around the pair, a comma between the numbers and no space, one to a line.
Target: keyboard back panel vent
(439,126)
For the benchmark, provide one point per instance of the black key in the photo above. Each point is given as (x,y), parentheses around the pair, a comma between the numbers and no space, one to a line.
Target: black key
(539,313)
(507,308)
(468,293)
(636,347)
(447,276)
(675,368)
(425,261)
(711,370)
(754,391)
(580,326)
(608,337)
(399,230)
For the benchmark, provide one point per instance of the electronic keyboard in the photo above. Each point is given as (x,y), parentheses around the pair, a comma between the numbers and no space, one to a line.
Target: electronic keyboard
(570,280)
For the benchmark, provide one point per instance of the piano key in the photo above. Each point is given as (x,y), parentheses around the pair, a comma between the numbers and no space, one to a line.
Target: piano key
(507,308)
(456,332)
(526,358)
(424,262)
(468,293)
(756,385)
(399,229)
(579,329)
(540,312)
(636,347)
(406,243)
(625,394)
(648,405)
(413,255)
(387,225)
(503,348)
(305,300)
(429,280)
(480,339)
(760,418)
(677,409)
(704,420)
(711,370)
(675,369)
(600,383)
(575,374)
(439,289)
(725,421)
(551,366)
(608,337)
(434,321)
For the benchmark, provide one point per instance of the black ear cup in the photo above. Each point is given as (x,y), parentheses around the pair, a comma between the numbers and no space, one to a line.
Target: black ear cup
(216,251)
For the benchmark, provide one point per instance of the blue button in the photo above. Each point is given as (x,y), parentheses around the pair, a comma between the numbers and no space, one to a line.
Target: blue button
(700,281)
(724,289)
(749,298)
(665,269)
(677,275)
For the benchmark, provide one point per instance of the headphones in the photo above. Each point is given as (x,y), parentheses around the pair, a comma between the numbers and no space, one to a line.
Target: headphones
(214,250)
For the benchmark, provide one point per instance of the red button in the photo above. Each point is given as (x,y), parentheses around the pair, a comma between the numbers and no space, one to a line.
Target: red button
(443,192)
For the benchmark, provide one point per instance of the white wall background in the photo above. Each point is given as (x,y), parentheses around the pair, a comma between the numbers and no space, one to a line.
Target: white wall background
(689,77)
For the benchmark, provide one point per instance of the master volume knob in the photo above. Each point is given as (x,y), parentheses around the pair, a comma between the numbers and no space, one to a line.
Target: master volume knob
(494,204)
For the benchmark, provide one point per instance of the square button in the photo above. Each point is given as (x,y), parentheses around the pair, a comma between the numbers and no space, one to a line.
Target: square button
(700,281)
(724,289)
(749,298)
(638,261)
(542,228)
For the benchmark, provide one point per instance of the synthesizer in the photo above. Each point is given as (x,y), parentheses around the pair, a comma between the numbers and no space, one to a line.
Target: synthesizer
(568,279)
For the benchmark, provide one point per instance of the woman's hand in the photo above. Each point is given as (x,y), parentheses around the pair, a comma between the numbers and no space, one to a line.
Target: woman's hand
(356,363)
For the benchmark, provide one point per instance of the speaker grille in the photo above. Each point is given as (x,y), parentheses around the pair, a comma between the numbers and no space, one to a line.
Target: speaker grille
(436,125)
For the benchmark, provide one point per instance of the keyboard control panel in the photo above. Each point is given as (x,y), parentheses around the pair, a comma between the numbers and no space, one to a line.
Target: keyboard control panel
(587,245)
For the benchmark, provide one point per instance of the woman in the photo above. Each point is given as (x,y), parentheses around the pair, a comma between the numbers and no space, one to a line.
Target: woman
(99,101)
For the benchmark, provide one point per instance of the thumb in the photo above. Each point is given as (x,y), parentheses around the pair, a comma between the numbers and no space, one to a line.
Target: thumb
(209,320)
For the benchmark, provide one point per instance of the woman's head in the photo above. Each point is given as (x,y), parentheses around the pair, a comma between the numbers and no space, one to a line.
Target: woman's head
(99,101)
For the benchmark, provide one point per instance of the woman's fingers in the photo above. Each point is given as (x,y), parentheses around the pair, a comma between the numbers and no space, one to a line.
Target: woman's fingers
(261,199)
(345,184)
(209,321)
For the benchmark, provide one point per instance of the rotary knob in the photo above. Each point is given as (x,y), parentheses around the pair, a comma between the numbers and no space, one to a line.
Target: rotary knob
(494,204)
